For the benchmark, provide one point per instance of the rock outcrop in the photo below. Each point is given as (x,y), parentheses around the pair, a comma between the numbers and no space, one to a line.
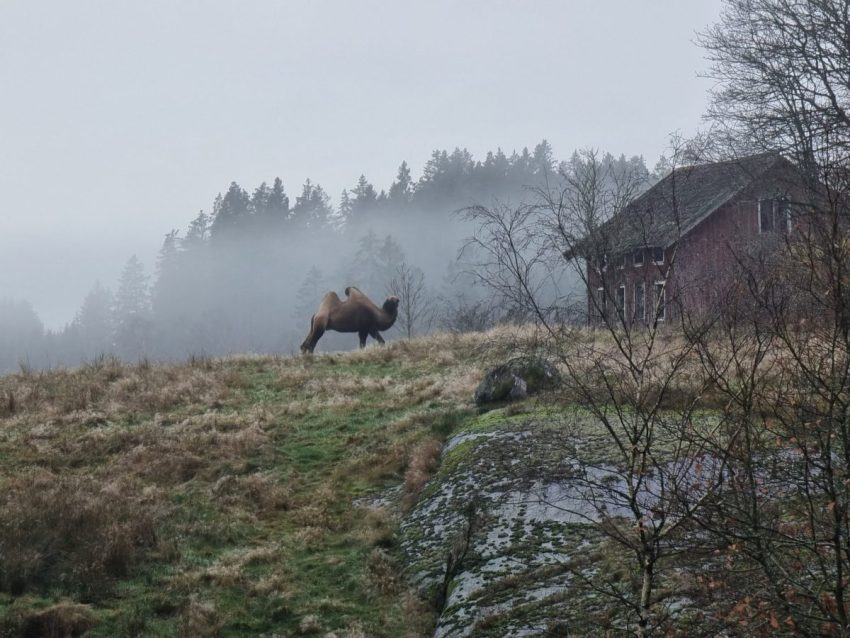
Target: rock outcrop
(503,539)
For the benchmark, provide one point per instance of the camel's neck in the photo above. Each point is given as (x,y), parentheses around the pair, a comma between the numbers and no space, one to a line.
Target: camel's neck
(387,316)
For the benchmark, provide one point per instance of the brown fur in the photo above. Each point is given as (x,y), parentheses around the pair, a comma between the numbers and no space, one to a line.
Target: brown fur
(356,314)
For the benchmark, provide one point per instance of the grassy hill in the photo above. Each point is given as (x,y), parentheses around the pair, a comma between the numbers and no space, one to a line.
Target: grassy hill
(220,497)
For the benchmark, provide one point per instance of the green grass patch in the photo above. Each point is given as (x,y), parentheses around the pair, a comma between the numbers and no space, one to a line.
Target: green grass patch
(250,467)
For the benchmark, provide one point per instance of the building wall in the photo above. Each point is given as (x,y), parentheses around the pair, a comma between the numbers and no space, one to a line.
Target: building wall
(707,257)
(698,271)
(628,276)
(701,270)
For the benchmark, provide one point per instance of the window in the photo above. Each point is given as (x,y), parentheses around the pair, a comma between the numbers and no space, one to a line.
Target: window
(621,302)
(640,305)
(660,301)
(774,215)
(766,216)
(638,258)
(621,262)
(783,210)
(658,256)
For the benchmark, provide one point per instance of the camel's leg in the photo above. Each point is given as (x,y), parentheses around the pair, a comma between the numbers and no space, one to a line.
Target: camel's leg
(316,332)
(363,334)
(377,336)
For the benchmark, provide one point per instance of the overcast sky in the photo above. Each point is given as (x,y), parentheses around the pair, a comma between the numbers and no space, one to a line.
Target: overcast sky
(120,120)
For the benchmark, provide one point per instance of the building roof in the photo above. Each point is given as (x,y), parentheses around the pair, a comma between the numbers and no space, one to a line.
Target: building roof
(685,197)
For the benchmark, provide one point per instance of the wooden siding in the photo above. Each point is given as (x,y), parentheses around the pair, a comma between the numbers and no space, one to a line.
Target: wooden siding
(697,270)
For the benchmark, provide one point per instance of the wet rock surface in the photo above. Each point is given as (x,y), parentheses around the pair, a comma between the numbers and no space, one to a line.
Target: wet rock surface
(490,539)
(505,541)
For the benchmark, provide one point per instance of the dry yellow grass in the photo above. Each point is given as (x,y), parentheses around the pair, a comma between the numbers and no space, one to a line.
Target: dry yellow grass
(73,529)
(230,473)
(424,460)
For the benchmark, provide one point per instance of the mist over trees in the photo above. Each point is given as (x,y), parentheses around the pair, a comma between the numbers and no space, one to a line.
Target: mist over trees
(247,275)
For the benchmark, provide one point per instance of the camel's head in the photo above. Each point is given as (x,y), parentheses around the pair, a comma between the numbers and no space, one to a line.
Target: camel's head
(391,306)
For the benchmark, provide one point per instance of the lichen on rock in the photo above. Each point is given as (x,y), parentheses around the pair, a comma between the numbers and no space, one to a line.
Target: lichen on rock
(488,542)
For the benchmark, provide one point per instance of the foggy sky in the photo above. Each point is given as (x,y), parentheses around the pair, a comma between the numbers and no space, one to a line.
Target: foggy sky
(120,120)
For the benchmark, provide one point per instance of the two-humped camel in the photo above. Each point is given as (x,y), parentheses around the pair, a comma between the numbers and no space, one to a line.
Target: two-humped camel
(356,314)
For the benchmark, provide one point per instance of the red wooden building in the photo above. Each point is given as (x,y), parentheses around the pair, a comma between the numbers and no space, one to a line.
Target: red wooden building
(677,246)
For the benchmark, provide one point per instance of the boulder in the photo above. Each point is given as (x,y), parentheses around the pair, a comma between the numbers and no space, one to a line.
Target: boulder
(516,379)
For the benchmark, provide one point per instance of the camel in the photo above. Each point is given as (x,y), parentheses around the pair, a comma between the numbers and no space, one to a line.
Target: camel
(356,314)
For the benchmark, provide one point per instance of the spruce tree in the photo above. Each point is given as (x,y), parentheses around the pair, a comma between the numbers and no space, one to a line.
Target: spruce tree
(312,210)
(92,326)
(363,201)
(198,231)
(308,295)
(401,191)
(21,335)
(231,213)
(542,161)
(277,205)
(132,311)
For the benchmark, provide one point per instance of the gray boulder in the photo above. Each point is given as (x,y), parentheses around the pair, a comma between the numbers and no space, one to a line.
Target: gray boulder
(516,379)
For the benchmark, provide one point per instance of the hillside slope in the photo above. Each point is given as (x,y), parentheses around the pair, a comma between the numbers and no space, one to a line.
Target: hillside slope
(364,495)
(223,497)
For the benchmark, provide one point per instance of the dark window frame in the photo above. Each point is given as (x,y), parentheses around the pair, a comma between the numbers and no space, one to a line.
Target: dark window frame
(774,215)
(660,308)
(637,258)
(640,308)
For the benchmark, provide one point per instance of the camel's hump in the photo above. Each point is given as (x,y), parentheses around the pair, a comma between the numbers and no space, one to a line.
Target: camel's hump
(353,291)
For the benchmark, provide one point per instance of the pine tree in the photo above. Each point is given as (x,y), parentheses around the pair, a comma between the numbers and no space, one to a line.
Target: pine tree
(21,334)
(312,210)
(401,191)
(166,290)
(344,210)
(308,295)
(365,266)
(277,205)
(198,231)
(435,168)
(260,200)
(92,326)
(132,311)
(520,173)
(542,161)
(375,263)
(363,202)
(390,257)
(231,213)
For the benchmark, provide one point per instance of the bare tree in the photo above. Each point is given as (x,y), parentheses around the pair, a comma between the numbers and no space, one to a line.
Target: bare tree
(646,492)
(780,355)
(462,313)
(414,309)
(782,72)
